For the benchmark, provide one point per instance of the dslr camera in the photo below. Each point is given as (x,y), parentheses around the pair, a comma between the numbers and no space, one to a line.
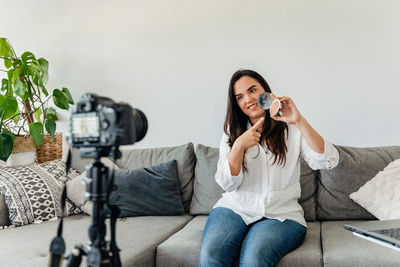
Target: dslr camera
(99,123)
(98,126)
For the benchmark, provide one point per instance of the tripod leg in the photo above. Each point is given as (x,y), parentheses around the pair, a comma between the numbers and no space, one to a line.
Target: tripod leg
(75,259)
(56,260)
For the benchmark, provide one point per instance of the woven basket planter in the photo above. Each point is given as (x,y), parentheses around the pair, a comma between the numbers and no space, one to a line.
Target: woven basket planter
(50,150)
(23,143)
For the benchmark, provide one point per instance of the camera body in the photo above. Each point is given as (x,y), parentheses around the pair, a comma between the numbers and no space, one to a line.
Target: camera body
(100,123)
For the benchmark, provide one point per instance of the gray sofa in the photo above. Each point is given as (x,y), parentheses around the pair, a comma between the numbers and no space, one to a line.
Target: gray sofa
(176,240)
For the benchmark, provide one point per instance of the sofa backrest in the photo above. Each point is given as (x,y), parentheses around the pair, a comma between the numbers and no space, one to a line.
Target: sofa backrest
(206,191)
(356,166)
(138,158)
(324,193)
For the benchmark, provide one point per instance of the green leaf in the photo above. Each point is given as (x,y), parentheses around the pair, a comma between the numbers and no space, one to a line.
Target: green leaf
(20,90)
(15,75)
(16,118)
(68,95)
(51,113)
(60,100)
(44,64)
(8,105)
(17,64)
(7,63)
(6,146)
(44,90)
(2,100)
(31,90)
(51,128)
(5,48)
(36,79)
(37,132)
(34,71)
(4,85)
(28,57)
(5,131)
(37,114)
(10,75)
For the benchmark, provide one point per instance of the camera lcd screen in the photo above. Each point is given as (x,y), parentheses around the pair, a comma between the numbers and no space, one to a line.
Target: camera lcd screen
(85,125)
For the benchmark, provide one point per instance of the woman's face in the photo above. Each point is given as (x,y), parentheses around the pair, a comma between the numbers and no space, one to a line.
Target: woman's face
(246,91)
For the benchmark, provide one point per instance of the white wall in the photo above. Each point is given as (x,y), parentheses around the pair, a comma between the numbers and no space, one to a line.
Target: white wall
(339,60)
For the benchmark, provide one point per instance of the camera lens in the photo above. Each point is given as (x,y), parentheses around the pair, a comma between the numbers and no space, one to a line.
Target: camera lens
(140,123)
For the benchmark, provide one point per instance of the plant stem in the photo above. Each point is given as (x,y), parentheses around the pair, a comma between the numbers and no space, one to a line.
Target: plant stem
(12,117)
(28,108)
(29,87)
(30,112)
(9,58)
(1,123)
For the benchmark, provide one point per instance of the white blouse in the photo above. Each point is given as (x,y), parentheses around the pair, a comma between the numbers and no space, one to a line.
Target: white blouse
(265,189)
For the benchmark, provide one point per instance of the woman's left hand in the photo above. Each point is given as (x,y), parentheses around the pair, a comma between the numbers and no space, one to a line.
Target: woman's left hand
(289,111)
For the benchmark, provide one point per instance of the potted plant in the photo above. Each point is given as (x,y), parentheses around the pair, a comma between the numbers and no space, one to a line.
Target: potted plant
(24,98)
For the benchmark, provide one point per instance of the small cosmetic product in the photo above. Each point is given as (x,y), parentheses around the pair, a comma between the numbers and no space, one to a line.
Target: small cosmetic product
(266,101)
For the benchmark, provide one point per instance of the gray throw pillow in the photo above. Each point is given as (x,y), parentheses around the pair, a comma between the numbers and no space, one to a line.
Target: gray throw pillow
(308,185)
(184,156)
(147,191)
(206,191)
(33,192)
(356,167)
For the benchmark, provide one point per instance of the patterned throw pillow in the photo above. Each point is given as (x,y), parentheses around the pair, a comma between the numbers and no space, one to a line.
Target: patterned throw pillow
(33,192)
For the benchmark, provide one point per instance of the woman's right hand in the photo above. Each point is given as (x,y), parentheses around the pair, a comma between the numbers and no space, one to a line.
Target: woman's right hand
(251,137)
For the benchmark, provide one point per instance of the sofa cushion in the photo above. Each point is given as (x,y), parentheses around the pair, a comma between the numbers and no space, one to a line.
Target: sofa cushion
(356,167)
(3,213)
(147,191)
(342,248)
(183,248)
(137,237)
(309,253)
(33,192)
(206,191)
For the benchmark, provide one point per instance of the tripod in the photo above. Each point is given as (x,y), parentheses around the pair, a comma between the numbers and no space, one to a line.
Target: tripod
(99,252)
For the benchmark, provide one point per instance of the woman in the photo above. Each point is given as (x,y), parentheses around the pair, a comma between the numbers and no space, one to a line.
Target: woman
(258,219)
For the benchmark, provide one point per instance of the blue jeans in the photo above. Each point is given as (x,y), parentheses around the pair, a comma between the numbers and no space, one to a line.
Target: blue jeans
(262,243)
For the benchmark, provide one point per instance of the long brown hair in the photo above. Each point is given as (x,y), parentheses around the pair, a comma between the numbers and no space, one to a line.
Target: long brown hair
(236,121)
